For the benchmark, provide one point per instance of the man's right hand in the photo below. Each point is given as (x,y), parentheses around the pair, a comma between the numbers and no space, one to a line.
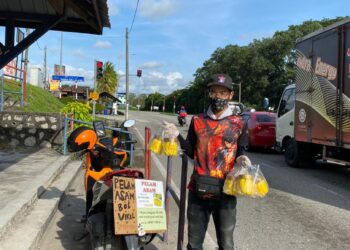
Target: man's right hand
(170,130)
(243,161)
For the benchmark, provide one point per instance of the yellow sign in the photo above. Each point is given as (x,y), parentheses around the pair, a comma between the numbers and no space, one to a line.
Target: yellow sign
(54,85)
(94,96)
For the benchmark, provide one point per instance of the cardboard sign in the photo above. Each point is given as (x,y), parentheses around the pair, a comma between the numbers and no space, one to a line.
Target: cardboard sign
(124,205)
(138,206)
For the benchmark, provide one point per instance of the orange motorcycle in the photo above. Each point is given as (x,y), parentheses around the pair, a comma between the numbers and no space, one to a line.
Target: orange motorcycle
(105,157)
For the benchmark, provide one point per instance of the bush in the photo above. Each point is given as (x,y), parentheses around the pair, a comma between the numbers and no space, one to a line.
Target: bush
(79,110)
(98,108)
(65,100)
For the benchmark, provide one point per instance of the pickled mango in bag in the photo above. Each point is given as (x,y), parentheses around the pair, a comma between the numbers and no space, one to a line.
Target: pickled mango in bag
(156,145)
(170,147)
(246,181)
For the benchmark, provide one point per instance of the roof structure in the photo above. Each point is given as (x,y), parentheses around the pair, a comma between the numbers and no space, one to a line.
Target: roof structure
(83,16)
(109,96)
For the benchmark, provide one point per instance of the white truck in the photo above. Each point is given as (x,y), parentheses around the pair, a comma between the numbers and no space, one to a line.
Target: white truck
(313,117)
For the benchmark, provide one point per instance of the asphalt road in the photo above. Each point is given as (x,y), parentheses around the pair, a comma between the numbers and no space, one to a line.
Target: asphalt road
(305,208)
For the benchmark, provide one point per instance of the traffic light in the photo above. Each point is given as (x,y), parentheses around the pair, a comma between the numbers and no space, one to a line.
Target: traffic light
(139,72)
(99,70)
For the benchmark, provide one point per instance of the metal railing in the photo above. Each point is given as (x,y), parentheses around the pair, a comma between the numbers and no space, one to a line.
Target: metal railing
(68,120)
(22,92)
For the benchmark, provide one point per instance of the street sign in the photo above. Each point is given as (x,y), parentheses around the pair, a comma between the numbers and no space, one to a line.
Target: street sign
(94,96)
(68,78)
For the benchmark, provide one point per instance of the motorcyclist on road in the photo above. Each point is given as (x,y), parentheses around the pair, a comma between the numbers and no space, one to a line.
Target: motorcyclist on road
(182,114)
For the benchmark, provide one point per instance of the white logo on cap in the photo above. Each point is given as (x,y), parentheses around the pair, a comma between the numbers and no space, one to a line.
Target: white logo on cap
(221,79)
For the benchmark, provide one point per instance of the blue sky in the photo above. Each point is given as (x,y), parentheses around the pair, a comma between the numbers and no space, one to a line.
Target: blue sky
(170,39)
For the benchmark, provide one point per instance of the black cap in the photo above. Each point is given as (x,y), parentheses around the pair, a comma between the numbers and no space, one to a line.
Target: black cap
(221,80)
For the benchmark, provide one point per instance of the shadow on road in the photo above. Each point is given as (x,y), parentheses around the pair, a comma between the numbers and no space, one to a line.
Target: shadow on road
(70,233)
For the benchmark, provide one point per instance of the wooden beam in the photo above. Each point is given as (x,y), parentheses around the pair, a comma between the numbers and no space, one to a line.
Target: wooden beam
(83,10)
(27,41)
(58,6)
(97,13)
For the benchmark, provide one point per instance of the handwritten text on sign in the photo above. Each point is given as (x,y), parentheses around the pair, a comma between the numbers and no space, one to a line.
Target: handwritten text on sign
(124,205)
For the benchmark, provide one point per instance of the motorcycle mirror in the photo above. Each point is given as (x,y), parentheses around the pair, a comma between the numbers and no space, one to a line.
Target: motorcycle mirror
(128,123)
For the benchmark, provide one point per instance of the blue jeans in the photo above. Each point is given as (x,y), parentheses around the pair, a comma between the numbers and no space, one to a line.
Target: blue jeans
(224,216)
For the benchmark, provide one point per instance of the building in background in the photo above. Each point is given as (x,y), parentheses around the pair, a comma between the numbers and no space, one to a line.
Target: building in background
(36,77)
(121,97)
(75,92)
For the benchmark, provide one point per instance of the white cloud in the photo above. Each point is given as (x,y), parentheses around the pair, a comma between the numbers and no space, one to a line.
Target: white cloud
(113,9)
(151,65)
(157,82)
(157,9)
(102,45)
(78,52)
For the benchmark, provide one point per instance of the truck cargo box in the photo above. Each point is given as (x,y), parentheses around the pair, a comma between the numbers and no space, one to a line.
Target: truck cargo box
(322,108)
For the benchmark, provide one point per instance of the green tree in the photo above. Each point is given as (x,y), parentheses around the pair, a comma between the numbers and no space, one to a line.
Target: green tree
(109,82)
(263,67)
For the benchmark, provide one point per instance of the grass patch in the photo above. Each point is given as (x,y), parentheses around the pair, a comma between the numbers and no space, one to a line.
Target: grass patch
(38,99)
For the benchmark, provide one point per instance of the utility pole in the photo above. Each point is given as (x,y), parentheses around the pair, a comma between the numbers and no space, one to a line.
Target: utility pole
(152,104)
(60,85)
(164,104)
(239,97)
(126,73)
(26,57)
(61,53)
(45,68)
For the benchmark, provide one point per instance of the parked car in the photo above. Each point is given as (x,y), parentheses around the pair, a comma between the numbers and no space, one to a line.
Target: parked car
(261,129)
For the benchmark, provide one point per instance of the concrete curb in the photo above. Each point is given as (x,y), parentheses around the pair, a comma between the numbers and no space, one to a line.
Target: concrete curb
(27,233)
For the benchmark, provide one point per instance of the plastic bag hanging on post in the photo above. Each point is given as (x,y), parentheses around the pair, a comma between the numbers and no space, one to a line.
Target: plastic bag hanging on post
(156,142)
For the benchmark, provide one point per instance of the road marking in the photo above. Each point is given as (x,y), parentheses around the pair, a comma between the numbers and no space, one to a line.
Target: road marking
(208,241)
(143,121)
(328,190)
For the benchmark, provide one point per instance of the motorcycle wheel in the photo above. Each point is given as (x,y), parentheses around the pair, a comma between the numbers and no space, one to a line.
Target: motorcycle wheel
(116,243)
(96,243)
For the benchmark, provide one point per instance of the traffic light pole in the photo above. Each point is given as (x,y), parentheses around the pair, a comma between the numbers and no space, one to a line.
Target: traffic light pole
(126,73)
(93,101)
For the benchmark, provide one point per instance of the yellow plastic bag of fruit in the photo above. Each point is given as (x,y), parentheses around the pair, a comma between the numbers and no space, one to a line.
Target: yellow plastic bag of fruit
(164,143)
(246,181)
(156,144)
(170,147)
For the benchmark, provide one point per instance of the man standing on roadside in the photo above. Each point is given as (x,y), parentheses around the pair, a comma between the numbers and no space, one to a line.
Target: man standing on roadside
(208,135)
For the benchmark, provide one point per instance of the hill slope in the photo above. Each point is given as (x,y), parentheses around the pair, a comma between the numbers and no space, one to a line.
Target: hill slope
(38,99)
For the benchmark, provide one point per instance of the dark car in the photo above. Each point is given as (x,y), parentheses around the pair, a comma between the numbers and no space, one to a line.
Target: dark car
(261,129)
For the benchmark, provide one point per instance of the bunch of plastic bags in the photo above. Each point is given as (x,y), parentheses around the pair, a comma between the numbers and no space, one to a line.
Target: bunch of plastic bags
(164,142)
(246,181)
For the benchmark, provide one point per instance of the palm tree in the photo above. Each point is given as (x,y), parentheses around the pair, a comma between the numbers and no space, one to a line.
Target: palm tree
(109,81)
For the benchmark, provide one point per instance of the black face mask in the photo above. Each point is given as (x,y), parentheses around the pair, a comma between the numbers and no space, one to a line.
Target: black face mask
(218,104)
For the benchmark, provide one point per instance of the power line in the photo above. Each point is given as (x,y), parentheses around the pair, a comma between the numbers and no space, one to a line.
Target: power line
(132,24)
(38,45)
